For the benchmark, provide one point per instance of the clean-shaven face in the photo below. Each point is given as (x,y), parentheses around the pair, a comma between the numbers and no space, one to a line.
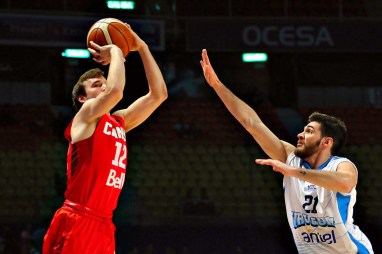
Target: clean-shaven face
(94,86)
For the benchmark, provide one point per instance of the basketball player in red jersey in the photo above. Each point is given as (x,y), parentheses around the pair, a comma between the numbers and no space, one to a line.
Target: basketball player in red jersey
(97,155)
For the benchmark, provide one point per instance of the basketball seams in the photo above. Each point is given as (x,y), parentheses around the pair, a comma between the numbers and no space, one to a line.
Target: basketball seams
(97,35)
(105,29)
(111,31)
(121,33)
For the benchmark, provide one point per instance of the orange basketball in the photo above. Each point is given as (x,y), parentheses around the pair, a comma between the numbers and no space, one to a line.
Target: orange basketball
(111,31)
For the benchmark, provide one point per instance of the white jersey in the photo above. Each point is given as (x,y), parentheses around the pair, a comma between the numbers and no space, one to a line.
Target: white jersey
(321,220)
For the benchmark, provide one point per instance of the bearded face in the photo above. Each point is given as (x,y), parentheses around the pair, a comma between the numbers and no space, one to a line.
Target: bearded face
(307,149)
(309,140)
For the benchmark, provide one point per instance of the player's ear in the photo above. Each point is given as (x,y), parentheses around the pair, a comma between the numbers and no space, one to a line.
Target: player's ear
(81,98)
(327,142)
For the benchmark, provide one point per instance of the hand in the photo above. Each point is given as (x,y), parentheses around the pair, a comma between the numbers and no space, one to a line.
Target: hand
(277,166)
(102,54)
(138,42)
(209,73)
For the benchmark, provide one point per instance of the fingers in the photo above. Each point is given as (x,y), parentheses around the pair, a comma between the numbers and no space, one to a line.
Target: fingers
(259,161)
(205,61)
(98,59)
(264,162)
(205,58)
(101,61)
(95,45)
(92,51)
(96,55)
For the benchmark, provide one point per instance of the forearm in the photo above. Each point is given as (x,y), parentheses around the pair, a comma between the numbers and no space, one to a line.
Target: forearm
(238,108)
(250,120)
(157,85)
(116,77)
(335,181)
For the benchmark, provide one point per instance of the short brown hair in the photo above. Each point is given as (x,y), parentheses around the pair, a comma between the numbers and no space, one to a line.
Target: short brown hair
(79,89)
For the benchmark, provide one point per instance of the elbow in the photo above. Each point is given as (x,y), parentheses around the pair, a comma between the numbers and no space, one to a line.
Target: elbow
(349,184)
(248,124)
(244,121)
(346,187)
(117,94)
(162,94)
(165,95)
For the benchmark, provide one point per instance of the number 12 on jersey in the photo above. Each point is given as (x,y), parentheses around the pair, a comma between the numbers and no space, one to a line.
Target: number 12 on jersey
(120,155)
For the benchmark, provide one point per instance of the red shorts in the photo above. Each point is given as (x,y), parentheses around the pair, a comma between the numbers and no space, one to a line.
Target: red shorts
(76,230)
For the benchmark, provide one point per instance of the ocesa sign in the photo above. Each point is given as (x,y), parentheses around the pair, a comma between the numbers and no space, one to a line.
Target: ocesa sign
(287,36)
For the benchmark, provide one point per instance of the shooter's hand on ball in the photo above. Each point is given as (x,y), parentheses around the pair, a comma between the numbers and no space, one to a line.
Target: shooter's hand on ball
(102,54)
(138,42)
(209,73)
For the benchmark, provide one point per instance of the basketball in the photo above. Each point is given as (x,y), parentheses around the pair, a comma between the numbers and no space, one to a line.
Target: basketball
(111,31)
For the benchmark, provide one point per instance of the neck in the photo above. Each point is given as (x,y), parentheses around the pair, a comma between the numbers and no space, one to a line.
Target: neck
(317,159)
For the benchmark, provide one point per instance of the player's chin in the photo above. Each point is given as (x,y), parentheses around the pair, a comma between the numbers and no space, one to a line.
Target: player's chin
(299,151)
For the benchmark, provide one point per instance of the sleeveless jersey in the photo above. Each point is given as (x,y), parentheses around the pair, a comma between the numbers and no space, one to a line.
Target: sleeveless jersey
(321,220)
(96,166)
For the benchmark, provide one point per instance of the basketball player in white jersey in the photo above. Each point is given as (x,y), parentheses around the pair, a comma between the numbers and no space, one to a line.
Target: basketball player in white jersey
(319,187)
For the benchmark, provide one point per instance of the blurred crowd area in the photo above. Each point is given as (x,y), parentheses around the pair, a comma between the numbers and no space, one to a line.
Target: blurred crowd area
(191,185)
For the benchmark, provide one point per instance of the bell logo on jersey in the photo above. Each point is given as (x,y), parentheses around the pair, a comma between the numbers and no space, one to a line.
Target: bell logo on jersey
(114,181)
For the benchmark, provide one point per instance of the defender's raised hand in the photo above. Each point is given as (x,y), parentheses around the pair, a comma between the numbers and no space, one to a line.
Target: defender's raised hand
(209,73)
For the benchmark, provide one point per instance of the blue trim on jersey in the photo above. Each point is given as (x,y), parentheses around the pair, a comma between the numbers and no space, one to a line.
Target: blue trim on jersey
(307,166)
(361,248)
(343,204)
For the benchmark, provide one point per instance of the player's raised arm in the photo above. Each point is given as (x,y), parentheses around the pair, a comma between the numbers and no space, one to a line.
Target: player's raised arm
(247,117)
(94,95)
(111,88)
(144,106)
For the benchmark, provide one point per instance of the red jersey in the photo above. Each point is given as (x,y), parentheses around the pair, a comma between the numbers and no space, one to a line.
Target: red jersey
(96,166)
